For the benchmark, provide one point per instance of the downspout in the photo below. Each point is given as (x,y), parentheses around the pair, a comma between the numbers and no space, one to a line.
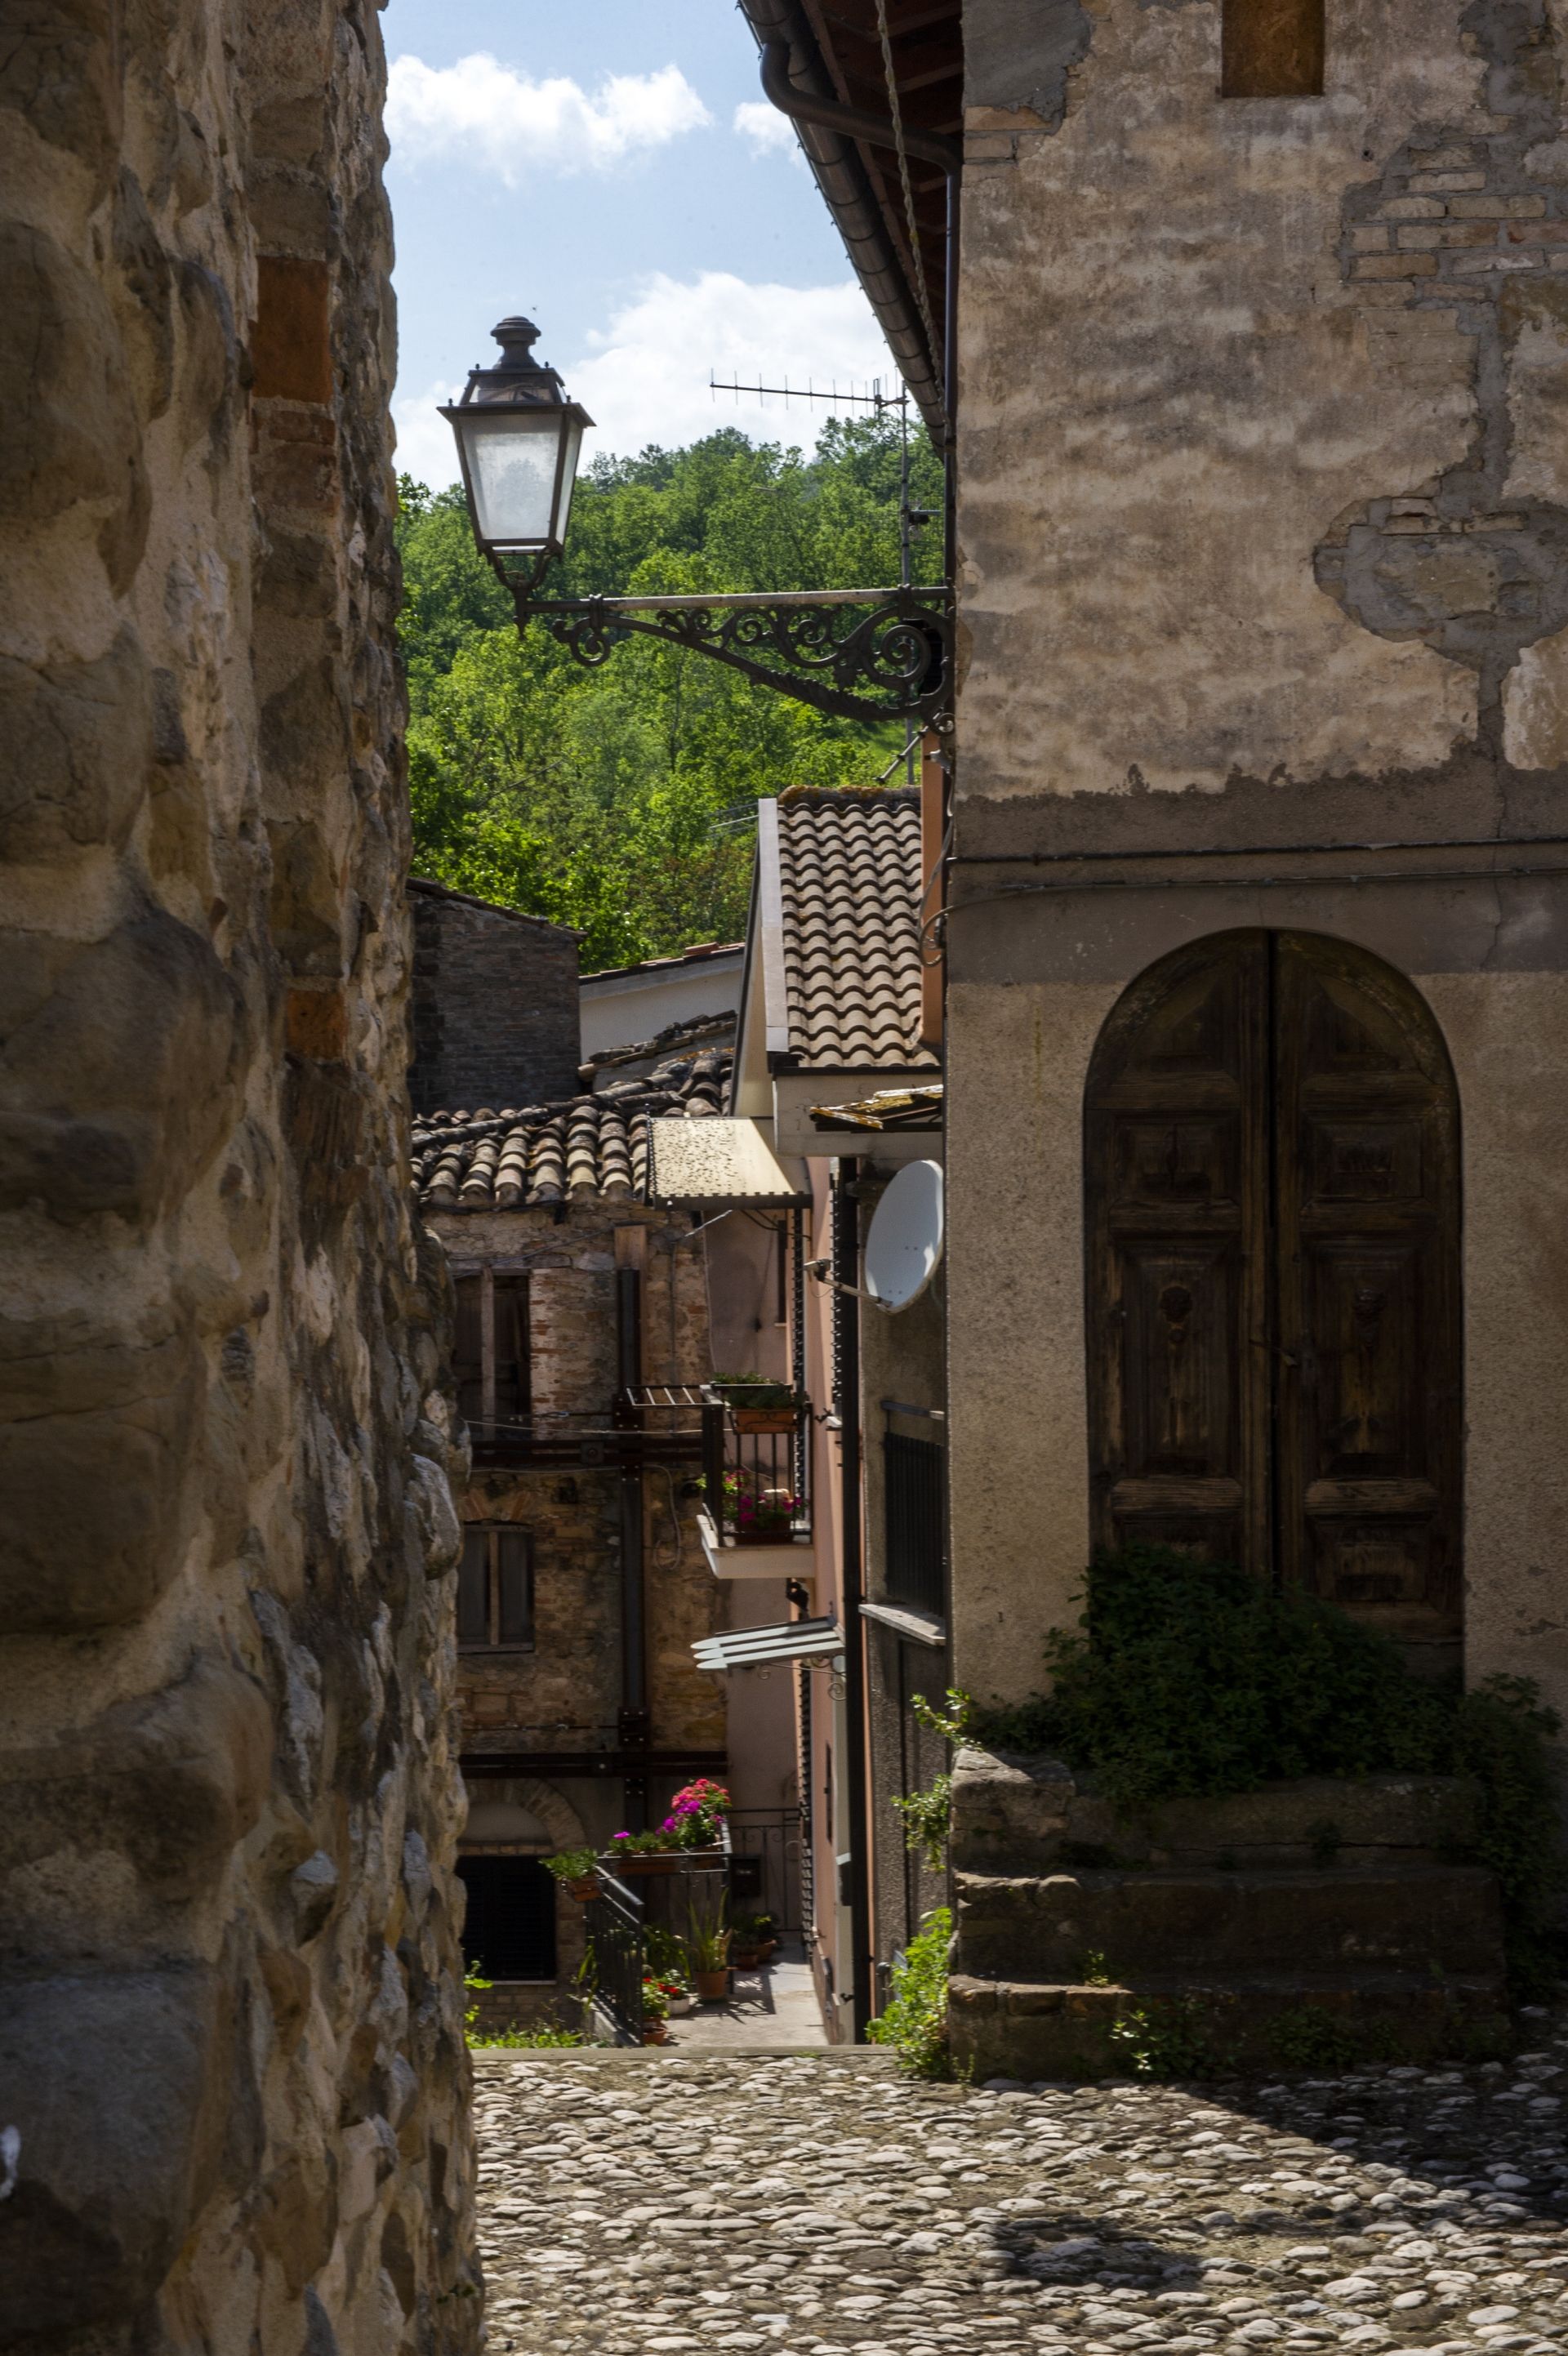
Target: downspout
(846,1272)
(634,1728)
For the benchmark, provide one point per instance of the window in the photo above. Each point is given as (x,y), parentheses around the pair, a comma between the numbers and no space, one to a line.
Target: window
(495,1589)
(1271,48)
(912,1492)
(509,1929)
(491,1350)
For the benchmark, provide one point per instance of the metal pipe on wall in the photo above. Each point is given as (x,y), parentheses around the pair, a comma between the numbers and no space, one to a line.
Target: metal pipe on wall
(846,1314)
(634,1724)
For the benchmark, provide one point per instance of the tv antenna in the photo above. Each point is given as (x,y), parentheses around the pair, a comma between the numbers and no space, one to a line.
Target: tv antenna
(910,517)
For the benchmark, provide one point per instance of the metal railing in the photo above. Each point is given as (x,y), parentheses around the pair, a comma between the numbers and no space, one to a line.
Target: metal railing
(614,1946)
(756,1472)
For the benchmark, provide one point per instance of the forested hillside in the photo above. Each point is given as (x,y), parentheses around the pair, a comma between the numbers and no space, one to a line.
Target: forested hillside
(622,799)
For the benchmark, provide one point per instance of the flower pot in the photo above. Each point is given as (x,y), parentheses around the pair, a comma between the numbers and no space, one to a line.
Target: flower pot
(652,1860)
(763,1533)
(712,1986)
(680,2006)
(655,2032)
(587,1889)
(764,1418)
(746,1959)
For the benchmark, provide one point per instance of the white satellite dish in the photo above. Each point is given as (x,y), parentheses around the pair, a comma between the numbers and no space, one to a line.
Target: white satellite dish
(904,1242)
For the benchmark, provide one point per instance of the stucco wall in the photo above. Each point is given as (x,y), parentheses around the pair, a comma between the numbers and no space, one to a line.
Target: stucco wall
(230,2027)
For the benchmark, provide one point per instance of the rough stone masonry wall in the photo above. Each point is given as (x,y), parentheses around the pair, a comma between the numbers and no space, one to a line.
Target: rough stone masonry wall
(230,2042)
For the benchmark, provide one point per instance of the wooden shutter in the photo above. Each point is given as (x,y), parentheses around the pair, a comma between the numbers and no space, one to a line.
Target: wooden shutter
(474,1587)
(469,1348)
(512,1346)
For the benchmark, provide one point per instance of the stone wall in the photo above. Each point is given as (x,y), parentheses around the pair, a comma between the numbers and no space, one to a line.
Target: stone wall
(230,2036)
(495,1004)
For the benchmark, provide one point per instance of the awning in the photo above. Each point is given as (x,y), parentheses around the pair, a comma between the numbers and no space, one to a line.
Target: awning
(721,1160)
(796,1640)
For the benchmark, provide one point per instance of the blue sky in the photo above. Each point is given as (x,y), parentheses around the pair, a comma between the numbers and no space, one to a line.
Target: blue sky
(613,170)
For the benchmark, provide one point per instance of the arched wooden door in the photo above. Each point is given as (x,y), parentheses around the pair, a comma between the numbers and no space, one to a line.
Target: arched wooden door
(1271,1182)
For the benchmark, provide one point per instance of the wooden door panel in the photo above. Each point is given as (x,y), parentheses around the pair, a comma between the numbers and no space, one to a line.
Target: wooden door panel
(1368,1349)
(1176,1160)
(1180,1363)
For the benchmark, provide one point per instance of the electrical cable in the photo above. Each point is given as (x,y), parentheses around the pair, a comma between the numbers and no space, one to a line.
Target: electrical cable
(922,292)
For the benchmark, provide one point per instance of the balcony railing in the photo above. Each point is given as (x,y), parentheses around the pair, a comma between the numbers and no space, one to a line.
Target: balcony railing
(756,1467)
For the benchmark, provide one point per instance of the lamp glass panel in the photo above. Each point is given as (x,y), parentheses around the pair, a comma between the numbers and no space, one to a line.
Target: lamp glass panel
(511,471)
(574,439)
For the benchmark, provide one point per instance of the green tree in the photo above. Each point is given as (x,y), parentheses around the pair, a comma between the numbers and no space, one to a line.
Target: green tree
(622,799)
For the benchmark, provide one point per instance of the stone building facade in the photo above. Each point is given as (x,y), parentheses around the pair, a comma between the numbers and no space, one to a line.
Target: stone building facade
(584,1585)
(231,2059)
(495,1014)
(1257,951)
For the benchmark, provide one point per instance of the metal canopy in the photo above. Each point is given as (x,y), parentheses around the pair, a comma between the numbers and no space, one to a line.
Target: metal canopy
(703,1164)
(795,1640)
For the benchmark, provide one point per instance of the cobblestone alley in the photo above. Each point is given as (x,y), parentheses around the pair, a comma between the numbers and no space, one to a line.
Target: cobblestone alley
(799,2205)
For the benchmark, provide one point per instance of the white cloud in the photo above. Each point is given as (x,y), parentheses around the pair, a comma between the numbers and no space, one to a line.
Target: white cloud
(424,445)
(481,111)
(770,133)
(646,378)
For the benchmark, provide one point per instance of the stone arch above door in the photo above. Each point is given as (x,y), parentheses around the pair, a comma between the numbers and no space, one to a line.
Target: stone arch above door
(1272,1223)
(562,1824)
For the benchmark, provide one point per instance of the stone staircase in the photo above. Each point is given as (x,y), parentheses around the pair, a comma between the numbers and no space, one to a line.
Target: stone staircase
(1226,1923)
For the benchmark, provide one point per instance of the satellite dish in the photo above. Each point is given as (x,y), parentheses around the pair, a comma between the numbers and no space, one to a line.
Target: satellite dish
(904,1242)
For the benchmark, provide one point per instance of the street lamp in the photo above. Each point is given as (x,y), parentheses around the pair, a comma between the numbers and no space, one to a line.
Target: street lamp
(860,654)
(518,442)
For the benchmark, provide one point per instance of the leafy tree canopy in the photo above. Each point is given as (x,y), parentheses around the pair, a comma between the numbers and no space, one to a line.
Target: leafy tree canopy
(622,800)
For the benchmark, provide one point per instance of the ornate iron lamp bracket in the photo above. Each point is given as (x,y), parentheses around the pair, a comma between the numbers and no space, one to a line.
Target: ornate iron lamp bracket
(859,653)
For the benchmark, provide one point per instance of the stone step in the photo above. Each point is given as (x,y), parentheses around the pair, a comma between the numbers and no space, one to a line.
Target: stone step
(1432,1922)
(1211,2027)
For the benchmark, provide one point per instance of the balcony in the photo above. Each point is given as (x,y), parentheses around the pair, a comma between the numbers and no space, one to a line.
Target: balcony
(755,1521)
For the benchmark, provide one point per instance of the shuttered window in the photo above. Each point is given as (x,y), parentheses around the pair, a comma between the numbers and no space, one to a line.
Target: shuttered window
(495,1589)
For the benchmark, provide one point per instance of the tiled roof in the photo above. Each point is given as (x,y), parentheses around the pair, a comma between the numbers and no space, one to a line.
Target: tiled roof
(592,1150)
(692,1031)
(850,885)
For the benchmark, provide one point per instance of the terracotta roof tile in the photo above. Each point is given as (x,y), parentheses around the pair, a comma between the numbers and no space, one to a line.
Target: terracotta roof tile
(850,883)
(592,1150)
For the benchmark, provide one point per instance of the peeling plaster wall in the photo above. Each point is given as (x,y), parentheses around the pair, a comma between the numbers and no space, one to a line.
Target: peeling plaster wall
(1263,541)
(230,2036)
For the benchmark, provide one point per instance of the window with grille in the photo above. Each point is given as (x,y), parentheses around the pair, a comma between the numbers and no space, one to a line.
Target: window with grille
(509,1929)
(915,1521)
(495,1590)
(491,1339)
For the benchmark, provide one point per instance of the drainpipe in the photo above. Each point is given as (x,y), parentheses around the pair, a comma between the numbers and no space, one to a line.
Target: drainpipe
(846,1272)
(634,1728)
(932,148)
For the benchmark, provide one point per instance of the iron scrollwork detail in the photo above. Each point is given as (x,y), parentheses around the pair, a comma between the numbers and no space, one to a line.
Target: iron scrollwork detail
(884,656)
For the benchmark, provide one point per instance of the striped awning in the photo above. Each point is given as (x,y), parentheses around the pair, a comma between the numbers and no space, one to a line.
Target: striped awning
(744,1648)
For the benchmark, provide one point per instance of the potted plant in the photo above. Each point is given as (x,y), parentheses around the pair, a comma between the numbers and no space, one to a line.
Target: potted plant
(763,1516)
(642,1853)
(655,2012)
(664,1960)
(708,1943)
(574,1870)
(752,1941)
(756,1403)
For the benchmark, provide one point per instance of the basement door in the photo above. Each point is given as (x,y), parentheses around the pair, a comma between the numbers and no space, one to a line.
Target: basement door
(1271,1219)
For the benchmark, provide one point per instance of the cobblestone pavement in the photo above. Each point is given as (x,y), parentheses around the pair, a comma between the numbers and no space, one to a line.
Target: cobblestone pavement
(661,2205)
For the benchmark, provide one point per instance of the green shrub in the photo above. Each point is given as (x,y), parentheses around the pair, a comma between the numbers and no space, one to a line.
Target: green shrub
(1183,1679)
(1163,2042)
(916,2020)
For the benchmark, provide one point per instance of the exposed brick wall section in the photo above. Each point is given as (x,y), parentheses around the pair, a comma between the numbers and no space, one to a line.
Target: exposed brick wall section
(495,1005)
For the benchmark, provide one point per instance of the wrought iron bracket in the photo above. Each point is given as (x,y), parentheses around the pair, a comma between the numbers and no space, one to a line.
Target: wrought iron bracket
(859,653)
